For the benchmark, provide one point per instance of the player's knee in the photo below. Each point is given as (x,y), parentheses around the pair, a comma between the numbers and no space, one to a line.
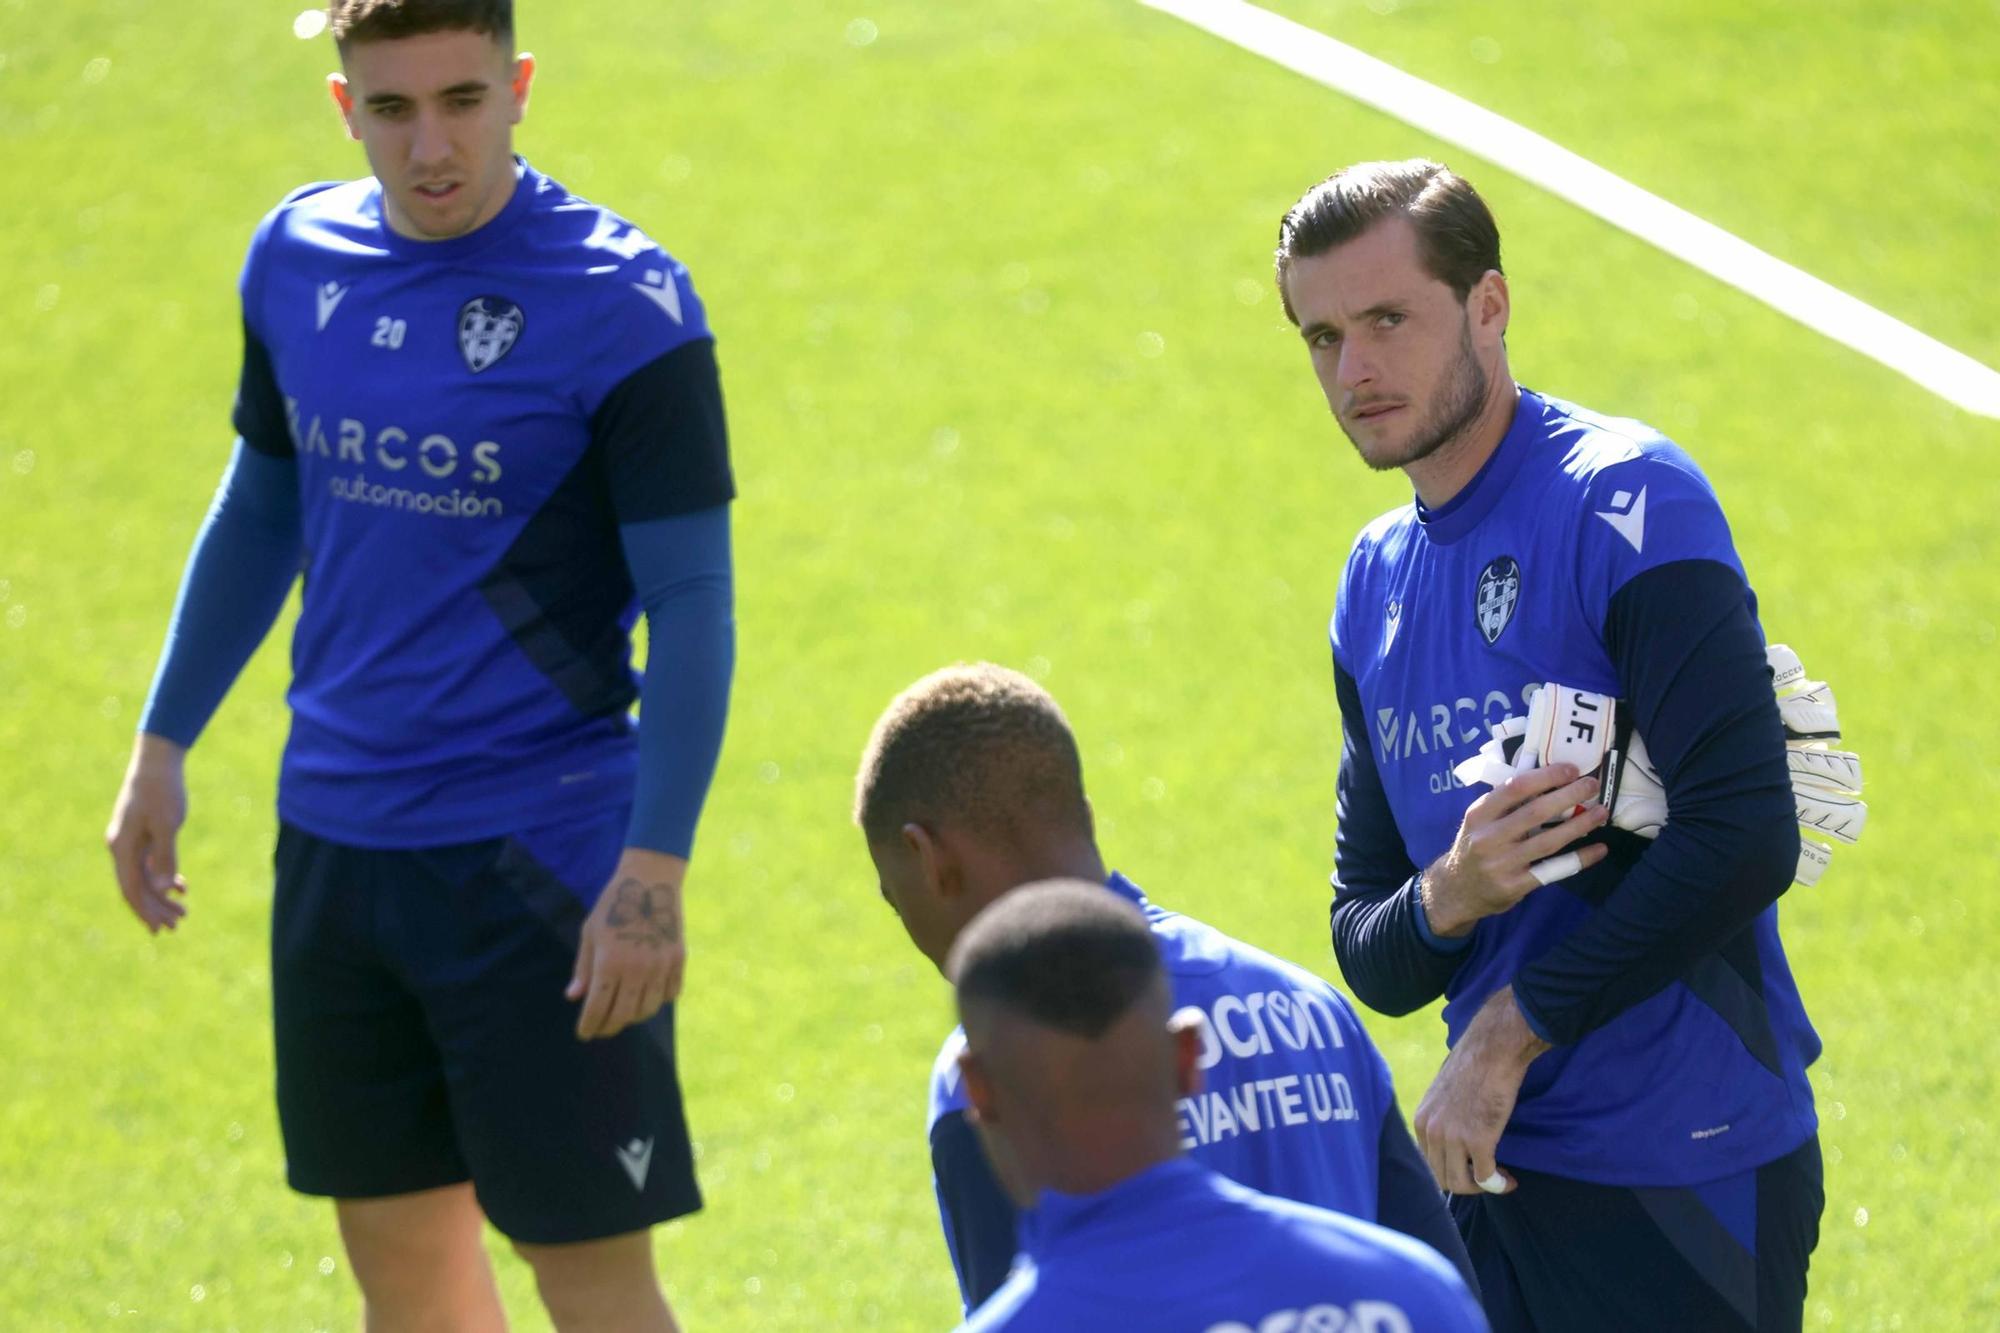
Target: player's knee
(609,1283)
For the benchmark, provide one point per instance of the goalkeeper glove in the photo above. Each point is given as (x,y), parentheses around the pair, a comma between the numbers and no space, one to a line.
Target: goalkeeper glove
(1592,731)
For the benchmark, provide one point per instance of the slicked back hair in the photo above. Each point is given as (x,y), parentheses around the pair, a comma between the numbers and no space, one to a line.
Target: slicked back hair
(383,20)
(980,746)
(1457,238)
(1065,954)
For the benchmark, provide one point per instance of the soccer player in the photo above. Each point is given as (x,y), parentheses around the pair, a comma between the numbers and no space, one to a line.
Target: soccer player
(1624,1118)
(970,786)
(1072,1064)
(482,416)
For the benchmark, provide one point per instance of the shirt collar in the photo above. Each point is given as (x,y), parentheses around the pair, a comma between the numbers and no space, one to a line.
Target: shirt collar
(1475,500)
(526,182)
(1057,1218)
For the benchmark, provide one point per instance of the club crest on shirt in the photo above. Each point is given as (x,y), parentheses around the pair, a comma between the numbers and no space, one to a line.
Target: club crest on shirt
(488,328)
(1493,602)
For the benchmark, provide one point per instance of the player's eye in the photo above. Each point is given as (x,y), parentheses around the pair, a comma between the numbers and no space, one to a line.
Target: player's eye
(392,110)
(1326,338)
(1390,319)
(464,103)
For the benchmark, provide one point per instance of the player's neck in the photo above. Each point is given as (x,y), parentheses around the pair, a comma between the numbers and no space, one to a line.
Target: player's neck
(1063,858)
(1450,468)
(1097,1152)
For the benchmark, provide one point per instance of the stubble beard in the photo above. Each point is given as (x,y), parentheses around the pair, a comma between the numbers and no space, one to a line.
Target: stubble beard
(1453,410)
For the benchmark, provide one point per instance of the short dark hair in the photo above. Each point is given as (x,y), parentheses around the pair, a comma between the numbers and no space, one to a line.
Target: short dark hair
(981,745)
(383,20)
(1456,235)
(1065,954)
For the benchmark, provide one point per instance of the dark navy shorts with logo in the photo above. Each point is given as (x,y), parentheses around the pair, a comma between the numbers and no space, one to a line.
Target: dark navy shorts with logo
(423,1038)
(1730,1256)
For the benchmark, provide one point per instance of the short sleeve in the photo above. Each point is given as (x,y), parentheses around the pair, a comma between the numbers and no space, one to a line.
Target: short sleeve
(1653,508)
(259,410)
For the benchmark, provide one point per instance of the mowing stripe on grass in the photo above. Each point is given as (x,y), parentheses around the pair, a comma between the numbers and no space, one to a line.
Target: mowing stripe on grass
(1950,374)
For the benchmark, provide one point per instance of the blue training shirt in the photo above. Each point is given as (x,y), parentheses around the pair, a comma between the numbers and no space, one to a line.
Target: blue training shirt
(1181,1249)
(1590,551)
(474,421)
(1296,1100)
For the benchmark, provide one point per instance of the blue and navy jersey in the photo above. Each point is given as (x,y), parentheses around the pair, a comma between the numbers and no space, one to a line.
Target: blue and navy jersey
(1592,552)
(472,419)
(1181,1248)
(1294,1094)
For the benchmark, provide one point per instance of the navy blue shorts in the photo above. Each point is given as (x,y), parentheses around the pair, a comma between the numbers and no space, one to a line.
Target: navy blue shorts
(1562,1256)
(423,1038)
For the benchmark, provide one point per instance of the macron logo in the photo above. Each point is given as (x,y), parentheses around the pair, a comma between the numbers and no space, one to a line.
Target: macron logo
(660,290)
(1628,517)
(637,1159)
(330,295)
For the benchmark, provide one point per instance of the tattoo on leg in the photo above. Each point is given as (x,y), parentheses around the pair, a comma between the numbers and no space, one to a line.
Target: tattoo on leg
(641,913)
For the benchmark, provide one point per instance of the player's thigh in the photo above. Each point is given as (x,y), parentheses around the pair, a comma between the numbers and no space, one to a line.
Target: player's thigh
(567,1140)
(420,1259)
(1583,1258)
(362,1097)
(1791,1196)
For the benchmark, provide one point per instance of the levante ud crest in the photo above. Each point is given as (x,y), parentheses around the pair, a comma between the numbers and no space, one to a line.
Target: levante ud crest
(1498,592)
(488,328)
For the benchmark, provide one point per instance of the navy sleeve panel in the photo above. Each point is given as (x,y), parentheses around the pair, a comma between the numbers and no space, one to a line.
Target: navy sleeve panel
(1407,1198)
(979,1221)
(666,442)
(259,413)
(242,565)
(1690,660)
(681,569)
(1382,953)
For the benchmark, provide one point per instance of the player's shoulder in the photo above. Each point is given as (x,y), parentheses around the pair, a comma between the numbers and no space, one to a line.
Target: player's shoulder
(1383,536)
(947,1091)
(298,217)
(601,247)
(1206,964)
(1601,456)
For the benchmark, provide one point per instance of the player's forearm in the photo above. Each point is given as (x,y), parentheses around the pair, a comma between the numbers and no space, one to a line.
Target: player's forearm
(682,569)
(1691,660)
(1383,955)
(238,573)
(1388,960)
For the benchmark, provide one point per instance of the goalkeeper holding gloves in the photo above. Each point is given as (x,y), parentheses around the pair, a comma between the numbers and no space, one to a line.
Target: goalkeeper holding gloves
(1571,726)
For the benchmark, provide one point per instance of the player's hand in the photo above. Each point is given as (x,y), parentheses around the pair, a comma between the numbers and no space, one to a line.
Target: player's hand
(151,807)
(1488,868)
(634,946)
(1461,1117)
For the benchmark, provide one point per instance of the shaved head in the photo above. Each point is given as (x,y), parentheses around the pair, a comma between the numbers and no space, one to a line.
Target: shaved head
(1072,1063)
(1064,955)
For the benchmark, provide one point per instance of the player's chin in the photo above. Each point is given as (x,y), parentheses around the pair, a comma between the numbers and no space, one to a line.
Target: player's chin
(439,216)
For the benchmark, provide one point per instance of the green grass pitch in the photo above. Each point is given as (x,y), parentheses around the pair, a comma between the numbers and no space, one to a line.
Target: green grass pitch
(1006,380)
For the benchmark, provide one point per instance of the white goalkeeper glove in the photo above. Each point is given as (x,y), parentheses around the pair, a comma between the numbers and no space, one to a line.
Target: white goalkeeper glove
(1566,725)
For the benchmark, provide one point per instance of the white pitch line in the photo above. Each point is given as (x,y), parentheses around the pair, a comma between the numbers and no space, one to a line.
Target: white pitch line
(1826,309)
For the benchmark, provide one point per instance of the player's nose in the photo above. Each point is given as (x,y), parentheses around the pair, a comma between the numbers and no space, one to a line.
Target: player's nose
(1354,368)
(429,145)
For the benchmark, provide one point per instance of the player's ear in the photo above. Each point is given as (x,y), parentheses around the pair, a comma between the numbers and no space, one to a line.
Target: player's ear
(1491,304)
(343,98)
(978,1089)
(1184,1030)
(524,77)
(939,867)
